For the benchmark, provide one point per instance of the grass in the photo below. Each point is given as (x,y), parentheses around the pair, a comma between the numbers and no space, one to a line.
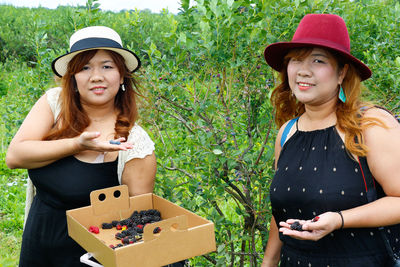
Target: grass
(12,203)
(9,249)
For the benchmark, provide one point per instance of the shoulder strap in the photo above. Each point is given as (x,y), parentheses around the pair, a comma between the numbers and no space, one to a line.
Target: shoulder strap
(363,162)
(372,196)
(287,130)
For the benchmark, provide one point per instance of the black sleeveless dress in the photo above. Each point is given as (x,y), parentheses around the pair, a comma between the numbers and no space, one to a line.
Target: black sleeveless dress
(60,186)
(314,175)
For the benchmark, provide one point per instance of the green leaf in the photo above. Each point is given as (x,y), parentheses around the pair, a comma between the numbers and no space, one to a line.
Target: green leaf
(397,61)
(221,248)
(182,38)
(153,47)
(217,151)
(214,6)
(204,26)
(185,4)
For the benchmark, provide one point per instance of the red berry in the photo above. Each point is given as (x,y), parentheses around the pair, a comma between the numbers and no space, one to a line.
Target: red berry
(140,226)
(119,227)
(94,229)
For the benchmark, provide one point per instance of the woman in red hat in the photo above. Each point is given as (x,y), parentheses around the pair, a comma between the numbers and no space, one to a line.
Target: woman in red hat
(77,138)
(329,151)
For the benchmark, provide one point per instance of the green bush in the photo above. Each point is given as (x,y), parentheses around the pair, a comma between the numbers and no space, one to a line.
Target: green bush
(206,104)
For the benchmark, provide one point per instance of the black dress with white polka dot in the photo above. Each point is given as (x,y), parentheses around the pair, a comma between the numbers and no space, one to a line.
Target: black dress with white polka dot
(315,174)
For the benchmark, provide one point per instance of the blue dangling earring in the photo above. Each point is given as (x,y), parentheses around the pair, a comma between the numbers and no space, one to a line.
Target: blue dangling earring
(342,96)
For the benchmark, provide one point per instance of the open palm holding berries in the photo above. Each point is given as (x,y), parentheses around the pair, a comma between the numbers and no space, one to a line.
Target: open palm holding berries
(314,229)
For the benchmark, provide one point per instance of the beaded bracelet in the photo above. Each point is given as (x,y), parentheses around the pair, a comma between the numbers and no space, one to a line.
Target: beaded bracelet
(341,216)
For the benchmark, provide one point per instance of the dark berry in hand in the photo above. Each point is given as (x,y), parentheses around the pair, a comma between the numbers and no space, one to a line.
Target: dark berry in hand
(296,226)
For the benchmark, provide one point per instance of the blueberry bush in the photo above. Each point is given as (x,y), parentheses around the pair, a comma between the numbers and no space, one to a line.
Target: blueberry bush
(206,102)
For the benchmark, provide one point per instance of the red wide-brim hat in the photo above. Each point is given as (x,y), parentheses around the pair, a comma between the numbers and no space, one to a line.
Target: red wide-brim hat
(321,30)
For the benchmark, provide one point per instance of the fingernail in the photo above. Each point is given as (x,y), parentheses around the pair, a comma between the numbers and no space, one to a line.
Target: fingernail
(315,219)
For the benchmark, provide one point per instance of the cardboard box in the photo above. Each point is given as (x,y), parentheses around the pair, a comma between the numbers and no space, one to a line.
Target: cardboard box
(183,235)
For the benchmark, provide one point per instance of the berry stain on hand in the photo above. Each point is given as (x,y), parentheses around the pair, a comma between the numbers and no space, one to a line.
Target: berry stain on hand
(115,142)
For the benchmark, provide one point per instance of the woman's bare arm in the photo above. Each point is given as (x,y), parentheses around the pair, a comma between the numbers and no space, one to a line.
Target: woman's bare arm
(139,175)
(27,150)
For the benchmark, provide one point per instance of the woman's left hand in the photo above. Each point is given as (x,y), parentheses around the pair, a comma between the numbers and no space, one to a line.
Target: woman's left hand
(313,230)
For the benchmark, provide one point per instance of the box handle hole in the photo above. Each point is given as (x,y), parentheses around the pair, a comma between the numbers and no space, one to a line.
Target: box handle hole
(102,197)
(117,193)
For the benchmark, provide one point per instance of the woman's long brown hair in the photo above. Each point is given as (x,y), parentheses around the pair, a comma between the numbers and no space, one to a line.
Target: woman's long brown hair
(349,114)
(73,120)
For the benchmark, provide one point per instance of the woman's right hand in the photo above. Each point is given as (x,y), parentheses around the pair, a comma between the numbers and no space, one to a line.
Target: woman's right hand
(90,141)
(28,150)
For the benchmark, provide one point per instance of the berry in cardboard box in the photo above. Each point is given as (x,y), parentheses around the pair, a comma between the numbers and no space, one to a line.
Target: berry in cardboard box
(181,234)
(132,227)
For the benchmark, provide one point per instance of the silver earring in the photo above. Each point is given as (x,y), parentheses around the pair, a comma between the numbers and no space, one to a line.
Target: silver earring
(123,87)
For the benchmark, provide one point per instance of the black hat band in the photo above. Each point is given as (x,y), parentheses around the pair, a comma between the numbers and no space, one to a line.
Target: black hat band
(90,43)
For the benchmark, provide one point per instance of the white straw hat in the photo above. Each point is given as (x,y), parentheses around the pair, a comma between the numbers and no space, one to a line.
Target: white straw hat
(95,37)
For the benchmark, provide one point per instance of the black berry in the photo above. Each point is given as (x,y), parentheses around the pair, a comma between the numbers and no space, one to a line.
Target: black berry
(128,240)
(132,227)
(107,226)
(296,226)
(119,235)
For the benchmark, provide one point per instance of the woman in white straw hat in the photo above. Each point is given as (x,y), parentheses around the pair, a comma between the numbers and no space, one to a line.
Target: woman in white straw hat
(80,137)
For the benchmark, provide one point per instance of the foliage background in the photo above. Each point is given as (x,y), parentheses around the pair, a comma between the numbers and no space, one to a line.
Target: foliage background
(206,103)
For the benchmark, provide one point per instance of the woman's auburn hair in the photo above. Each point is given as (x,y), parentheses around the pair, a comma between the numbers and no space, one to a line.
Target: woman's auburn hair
(349,115)
(73,119)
